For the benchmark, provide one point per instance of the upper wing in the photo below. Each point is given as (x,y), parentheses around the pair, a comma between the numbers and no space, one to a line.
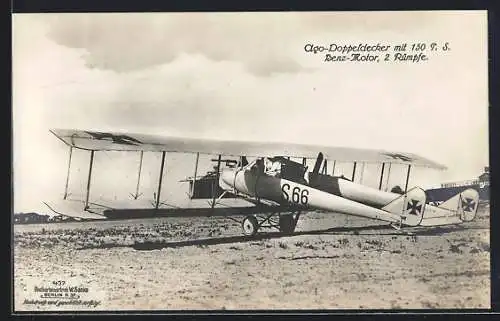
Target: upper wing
(113,141)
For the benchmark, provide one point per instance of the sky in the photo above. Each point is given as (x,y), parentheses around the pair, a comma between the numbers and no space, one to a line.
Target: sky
(243,76)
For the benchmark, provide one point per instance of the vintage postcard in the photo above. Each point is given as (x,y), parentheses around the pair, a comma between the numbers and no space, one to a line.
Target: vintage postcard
(228,161)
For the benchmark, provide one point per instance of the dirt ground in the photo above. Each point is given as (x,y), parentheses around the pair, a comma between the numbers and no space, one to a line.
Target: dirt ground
(332,262)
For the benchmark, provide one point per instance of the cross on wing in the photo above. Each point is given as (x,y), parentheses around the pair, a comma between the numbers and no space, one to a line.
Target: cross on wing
(118,139)
(399,156)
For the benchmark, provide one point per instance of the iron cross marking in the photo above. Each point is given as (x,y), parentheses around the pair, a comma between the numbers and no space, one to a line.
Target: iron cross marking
(117,139)
(468,205)
(414,207)
(399,156)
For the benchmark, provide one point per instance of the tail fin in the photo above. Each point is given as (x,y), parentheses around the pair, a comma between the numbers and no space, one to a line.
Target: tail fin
(409,206)
(465,204)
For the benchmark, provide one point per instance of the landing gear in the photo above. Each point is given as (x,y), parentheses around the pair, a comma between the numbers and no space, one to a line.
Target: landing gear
(250,225)
(286,223)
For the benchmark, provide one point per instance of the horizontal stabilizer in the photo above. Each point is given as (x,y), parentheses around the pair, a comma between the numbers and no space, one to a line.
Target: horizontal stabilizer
(410,206)
(464,204)
(439,217)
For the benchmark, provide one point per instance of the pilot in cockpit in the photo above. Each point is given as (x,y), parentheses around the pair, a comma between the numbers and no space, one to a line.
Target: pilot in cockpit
(273,167)
(258,167)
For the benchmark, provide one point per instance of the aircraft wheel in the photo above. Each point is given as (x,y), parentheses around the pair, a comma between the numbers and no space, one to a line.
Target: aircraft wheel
(287,224)
(250,225)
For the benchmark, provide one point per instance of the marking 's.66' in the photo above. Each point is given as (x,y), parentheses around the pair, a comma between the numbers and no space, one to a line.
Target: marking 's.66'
(298,196)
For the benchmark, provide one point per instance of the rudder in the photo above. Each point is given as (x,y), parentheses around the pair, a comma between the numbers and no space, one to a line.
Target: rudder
(410,206)
(465,204)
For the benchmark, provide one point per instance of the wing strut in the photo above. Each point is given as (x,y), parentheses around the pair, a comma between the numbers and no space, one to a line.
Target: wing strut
(162,166)
(89,178)
(195,172)
(381,177)
(333,169)
(354,171)
(136,196)
(388,176)
(216,182)
(407,178)
(69,170)
(362,173)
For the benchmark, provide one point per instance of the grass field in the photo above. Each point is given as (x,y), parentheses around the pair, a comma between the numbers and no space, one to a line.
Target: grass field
(333,261)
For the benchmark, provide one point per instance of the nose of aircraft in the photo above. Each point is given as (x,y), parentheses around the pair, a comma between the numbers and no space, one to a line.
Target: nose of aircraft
(227,177)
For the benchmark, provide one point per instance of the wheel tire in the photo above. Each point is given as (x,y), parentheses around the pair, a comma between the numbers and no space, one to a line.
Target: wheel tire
(287,224)
(250,226)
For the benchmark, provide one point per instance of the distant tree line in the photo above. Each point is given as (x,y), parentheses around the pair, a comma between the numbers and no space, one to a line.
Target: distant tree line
(31,218)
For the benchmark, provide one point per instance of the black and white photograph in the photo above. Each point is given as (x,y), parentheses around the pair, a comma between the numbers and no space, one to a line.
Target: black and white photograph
(250,161)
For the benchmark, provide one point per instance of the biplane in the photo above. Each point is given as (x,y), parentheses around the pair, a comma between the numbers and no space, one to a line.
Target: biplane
(279,188)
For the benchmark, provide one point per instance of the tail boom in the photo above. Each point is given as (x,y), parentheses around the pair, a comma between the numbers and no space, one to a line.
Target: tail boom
(406,209)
